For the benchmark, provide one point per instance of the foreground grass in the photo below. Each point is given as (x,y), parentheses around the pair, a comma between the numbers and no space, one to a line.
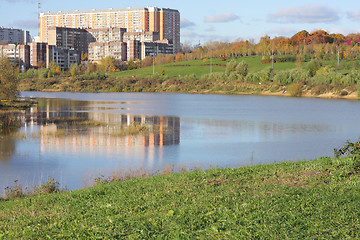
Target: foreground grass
(317,199)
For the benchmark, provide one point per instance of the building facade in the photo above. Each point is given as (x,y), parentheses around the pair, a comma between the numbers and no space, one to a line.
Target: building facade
(115,49)
(19,54)
(14,36)
(70,38)
(37,54)
(107,34)
(163,20)
(62,57)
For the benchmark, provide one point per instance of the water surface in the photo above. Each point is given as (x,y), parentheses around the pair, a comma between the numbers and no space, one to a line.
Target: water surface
(183,130)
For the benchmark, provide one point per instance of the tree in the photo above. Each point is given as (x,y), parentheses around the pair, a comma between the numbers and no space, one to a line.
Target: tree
(242,68)
(52,67)
(74,69)
(8,79)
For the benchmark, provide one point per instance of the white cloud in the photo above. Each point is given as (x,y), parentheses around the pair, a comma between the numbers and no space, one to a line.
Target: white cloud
(221,18)
(305,14)
(354,16)
(184,23)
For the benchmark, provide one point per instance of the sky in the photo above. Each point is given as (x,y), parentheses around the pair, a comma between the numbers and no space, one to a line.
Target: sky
(204,20)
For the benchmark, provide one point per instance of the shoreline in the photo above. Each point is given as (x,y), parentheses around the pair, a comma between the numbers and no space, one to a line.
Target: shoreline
(306,94)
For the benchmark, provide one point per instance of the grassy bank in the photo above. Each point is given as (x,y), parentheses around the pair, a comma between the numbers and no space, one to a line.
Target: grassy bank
(314,79)
(296,200)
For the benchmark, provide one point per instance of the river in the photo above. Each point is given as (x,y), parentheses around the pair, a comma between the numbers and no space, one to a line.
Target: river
(75,137)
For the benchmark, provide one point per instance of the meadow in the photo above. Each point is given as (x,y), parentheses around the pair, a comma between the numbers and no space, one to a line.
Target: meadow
(291,200)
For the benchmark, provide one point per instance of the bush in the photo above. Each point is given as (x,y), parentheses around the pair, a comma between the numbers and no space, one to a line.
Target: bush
(43,73)
(352,78)
(49,186)
(242,68)
(292,75)
(327,77)
(313,66)
(230,67)
(295,90)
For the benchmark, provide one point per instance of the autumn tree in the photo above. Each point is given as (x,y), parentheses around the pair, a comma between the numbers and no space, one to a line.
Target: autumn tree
(8,79)
(74,69)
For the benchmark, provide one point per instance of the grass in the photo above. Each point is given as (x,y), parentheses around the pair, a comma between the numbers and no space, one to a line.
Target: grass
(295,200)
(198,67)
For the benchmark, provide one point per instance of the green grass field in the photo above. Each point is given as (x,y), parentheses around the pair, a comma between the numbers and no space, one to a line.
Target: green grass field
(199,68)
(296,200)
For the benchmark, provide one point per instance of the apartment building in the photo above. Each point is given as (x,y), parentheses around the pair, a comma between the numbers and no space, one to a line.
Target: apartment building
(115,49)
(155,48)
(152,19)
(70,38)
(37,54)
(62,57)
(142,36)
(107,34)
(19,54)
(14,36)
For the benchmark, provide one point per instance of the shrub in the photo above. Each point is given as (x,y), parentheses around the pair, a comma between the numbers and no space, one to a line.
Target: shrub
(295,90)
(43,73)
(49,186)
(15,191)
(313,66)
(242,68)
(352,78)
(30,73)
(230,67)
(327,77)
(349,149)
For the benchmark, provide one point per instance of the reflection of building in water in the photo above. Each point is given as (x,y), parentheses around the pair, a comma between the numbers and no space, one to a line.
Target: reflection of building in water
(61,131)
(162,131)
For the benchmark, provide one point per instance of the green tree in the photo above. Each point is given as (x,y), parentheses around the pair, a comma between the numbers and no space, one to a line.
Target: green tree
(8,79)
(242,68)
(52,67)
(313,66)
(74,69)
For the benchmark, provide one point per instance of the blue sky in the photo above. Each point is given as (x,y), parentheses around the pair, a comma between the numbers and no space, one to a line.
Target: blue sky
(205,20)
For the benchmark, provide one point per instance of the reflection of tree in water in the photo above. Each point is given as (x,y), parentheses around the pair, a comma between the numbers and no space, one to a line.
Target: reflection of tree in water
(7,148)
(8,124)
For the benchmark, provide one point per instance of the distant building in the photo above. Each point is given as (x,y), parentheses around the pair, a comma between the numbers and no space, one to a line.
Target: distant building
(115,49)
(107,34)
(19,54)
(37,54)
(62,57)
(14,36)
(155,48)
(151,19)
(70,38)
(142,36)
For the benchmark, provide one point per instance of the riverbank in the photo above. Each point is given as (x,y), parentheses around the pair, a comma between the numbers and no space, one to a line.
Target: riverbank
(15,105)
(296,200)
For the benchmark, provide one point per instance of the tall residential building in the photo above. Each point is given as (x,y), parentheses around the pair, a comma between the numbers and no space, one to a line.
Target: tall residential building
(107,34)
(70,38)
(14,36)
(163,20)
